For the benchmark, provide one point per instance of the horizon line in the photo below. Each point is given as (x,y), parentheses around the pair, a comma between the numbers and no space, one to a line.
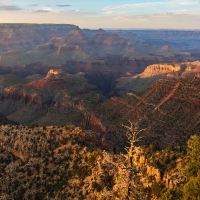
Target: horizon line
(185,29)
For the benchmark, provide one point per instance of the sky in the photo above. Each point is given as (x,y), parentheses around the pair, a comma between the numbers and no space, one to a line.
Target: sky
(107,14)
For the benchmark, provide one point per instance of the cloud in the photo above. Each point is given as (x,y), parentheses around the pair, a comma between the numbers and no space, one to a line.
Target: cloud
(33,4)
(5,1)
(9,7)
(41,11)
(45,10)
(63,5)
(176,15)
(108,12)
(171,3)
(186,12)
(80,12)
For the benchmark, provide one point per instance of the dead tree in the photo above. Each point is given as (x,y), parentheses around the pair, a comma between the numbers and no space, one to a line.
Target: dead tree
(129,181)
(132,135)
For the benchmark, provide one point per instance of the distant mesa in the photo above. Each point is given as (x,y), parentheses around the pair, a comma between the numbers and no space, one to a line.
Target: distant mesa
(100,31)
(109,39)
(130,36)
(47,46)
(76,32)
(30,35)
(166,47)
(75,36)
(91,33)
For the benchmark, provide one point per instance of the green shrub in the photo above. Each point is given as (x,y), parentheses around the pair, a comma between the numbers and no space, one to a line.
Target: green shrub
(171,194)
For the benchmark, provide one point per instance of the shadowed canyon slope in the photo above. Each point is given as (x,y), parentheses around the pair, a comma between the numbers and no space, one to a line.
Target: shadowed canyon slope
(169,109)
(57,99)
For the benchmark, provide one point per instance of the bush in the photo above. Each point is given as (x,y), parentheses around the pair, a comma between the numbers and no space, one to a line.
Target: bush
(191,189)
(171,194)
(193,149)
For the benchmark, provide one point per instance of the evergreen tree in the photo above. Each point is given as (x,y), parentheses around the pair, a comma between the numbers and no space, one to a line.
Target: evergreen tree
(193,154)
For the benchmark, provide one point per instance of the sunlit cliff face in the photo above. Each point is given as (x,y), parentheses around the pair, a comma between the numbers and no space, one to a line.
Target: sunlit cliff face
(54,73)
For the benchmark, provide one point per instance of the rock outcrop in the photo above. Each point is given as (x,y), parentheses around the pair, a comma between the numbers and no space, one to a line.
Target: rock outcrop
(155,72)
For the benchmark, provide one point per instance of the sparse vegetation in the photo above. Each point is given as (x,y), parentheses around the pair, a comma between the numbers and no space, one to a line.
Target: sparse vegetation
(62,162)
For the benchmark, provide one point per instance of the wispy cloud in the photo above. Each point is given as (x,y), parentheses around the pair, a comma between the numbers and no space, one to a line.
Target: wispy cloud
(177,14)
(45,10)
(33,4)
(80,12)
(9,7)
(170,3)
(41,11)
(185,12)
(63,5)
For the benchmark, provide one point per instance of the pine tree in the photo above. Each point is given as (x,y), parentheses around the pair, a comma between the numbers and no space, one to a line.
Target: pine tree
(193,154)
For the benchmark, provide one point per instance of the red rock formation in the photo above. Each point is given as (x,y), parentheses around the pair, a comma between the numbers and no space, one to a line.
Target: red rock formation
(75,36)
(51,84)
(22,96)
